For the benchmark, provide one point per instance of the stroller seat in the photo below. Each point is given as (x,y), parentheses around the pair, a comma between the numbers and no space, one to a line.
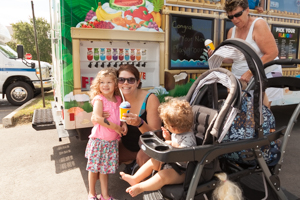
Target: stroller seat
(211,124)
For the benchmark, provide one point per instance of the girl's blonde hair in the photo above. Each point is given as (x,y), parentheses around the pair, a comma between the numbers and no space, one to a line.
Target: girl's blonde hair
(226,189)
(177,113)
(95,90)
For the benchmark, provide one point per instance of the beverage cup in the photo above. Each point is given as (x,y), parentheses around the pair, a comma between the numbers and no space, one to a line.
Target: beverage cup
(122,111)
(209,44)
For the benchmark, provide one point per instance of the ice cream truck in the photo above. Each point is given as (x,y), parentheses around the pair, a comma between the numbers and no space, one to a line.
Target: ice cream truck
(164,39)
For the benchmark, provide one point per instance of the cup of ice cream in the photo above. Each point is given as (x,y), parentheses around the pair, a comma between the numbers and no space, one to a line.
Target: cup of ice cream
(124,108)
(209,44)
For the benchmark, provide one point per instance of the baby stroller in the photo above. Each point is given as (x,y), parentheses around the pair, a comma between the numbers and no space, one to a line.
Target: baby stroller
(215,108)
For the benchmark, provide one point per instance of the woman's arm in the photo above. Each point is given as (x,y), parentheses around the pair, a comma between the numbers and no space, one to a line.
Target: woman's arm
(153,119)
(98,118)
(265,41)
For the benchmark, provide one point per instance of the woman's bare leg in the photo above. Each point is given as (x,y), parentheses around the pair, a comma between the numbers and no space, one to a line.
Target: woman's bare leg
(143,172)
(161,178)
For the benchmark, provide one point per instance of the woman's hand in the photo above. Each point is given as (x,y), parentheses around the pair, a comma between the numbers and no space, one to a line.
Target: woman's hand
(105,114)
(246,76)
(132,119)
(210,52)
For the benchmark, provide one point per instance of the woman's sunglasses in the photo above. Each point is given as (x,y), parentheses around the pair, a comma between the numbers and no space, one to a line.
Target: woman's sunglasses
(130,80)
(236,15)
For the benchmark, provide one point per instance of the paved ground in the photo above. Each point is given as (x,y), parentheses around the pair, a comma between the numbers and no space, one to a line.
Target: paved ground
(35,165)
(5,108)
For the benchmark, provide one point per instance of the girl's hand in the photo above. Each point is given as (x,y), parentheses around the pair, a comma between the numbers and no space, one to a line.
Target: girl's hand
(119,130)
(247,76)
(132,119)
(124,128)
(166,134)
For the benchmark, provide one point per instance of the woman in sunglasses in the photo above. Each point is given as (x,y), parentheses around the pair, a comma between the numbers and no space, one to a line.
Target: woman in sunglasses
(256,32)
(143,116)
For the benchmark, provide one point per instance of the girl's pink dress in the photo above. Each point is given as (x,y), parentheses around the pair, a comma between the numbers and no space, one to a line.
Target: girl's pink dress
(102,148)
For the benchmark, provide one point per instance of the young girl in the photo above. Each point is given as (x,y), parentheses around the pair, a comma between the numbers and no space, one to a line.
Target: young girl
(102,148)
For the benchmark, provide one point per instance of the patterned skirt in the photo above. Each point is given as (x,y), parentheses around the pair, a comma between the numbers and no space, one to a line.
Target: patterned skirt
(102,155)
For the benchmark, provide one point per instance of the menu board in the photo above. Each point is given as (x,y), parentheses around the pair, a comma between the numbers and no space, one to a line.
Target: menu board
(287,41)
(186,41)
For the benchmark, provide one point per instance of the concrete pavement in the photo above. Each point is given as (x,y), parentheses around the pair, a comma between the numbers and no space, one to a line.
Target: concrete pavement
(35,165)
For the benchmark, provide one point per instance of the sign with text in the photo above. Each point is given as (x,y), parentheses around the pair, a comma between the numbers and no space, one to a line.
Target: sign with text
(186,41)
(287,40)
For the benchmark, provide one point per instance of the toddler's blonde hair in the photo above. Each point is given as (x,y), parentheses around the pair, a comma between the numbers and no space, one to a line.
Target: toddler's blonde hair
(95,90)
(177,113)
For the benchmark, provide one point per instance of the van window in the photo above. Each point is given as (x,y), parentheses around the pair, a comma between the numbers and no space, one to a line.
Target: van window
(8,52)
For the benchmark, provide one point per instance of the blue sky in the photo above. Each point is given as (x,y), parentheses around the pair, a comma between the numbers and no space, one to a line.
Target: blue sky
(13,11)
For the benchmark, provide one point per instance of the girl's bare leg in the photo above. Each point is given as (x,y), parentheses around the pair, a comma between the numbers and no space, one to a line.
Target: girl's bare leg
(104,185)
(161,178)
(92,183)
(143,172)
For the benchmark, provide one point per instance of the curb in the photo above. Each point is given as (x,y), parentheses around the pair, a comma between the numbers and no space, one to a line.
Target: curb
(8,120)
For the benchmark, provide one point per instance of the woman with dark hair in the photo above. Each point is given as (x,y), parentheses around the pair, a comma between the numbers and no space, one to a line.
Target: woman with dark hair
(257,33)
(143,116)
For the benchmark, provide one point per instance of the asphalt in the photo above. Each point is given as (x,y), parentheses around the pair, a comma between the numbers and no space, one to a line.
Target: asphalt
(35,165)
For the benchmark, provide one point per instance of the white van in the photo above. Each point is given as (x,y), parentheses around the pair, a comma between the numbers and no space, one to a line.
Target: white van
(19,78)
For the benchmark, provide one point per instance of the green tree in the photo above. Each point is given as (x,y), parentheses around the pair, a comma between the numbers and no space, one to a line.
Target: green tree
(23,33)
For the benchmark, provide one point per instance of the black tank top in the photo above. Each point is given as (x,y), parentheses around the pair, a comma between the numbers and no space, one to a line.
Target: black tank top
(131,140)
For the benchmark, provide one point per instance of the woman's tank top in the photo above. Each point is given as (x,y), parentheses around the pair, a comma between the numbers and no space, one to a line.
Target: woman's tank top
(240,67)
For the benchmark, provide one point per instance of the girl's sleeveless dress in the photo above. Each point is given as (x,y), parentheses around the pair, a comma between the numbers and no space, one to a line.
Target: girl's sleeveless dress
(102,150)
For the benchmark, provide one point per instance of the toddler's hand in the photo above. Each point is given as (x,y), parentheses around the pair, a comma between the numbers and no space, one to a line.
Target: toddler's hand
(166,134)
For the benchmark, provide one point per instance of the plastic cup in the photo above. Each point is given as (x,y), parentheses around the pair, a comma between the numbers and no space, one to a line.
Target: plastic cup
(209,44)
(122,111)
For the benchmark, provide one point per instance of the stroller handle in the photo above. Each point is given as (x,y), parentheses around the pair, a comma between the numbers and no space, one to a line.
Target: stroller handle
(282,62)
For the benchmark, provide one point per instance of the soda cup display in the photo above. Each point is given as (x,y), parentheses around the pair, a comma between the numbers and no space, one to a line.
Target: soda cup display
(124,108)
(209,44)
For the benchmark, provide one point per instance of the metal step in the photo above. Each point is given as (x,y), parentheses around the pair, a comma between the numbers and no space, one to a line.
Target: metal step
(43,119)
(62,132)
(153,195)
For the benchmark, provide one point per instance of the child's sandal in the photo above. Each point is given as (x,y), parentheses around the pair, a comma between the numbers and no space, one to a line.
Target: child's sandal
(101,198)
(93,198)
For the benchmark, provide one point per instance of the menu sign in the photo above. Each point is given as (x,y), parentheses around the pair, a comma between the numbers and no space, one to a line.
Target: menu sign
(186,41)
(287,41)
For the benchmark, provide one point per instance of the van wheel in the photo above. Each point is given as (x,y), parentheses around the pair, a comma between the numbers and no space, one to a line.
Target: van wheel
(18,93)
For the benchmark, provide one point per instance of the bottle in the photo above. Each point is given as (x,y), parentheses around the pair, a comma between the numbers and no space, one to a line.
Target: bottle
(121,54)
(144,54)
(115,54)
(132,54)
(90,54)
(96,53)
(108,53)
(126,54)
(138,54)
(102,53)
